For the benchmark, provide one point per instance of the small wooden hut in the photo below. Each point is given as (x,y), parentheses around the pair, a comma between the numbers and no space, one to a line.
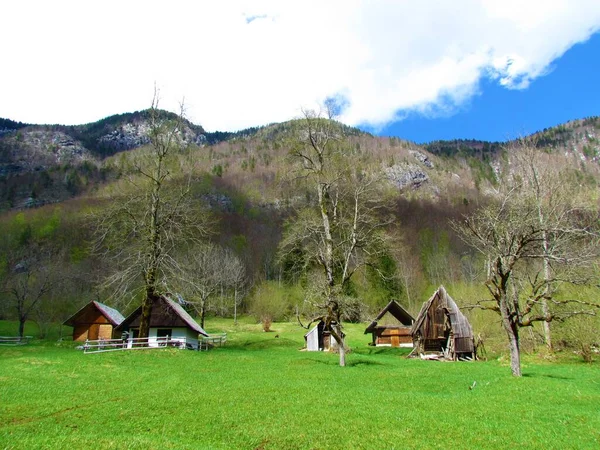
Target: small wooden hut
(319,338)
(94,321)
(168,318)
(441,328)
(391,327)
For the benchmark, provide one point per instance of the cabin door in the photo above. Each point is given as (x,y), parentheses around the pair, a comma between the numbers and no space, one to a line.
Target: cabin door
(93,332)
(395,337)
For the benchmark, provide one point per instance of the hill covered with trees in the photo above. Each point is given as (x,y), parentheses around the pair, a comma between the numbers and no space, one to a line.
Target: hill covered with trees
(56,181)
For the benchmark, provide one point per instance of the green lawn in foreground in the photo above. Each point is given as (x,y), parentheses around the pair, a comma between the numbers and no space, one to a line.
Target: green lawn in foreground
(262,392)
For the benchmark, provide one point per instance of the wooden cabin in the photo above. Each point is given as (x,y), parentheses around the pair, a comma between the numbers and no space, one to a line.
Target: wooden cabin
(94,321)
(391,327)
(319,339)
(168,318)
(441,328)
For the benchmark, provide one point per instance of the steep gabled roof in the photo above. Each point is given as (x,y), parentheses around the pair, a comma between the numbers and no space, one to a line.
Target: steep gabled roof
(111,314)
(114,316)
(185,316)
(394,308)
(460,325)
(165,313)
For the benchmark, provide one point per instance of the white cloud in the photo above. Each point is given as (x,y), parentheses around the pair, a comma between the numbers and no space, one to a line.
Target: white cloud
(241,64)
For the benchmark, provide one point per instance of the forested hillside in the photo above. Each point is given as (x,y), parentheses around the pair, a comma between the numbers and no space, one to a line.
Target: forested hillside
(57,182)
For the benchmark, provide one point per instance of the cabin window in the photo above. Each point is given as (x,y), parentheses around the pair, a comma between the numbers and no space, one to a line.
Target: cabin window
(163,332)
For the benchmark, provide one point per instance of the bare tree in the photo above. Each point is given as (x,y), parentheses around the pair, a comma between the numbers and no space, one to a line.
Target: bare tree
(511,236)
(142,229)
(28,281)
(237,280)
(541,182)
(339,231)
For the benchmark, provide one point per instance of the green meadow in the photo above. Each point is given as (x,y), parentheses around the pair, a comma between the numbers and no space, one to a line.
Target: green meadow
(260,392)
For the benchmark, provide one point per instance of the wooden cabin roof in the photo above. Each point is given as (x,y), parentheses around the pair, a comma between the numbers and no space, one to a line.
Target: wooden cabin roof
(112,315)
(321,325)
(165,314)
(394,308)
(461,327)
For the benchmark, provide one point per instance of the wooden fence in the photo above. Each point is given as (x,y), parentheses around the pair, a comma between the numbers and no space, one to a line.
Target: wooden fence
(110,345)
(213,340)
(15,340)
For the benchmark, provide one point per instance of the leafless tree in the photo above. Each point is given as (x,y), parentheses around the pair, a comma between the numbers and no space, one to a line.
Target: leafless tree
(29,280)
(541,180)
(339,231)
(143,228)
(237,280)
(510,234)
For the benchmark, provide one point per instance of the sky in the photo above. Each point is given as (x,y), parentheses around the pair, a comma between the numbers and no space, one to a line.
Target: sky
(483,69)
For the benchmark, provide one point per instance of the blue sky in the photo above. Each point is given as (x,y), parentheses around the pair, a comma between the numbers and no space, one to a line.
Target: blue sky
(495,68)
(570,91)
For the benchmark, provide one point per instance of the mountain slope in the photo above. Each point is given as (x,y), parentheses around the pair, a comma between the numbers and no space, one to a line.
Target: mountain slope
(50,163)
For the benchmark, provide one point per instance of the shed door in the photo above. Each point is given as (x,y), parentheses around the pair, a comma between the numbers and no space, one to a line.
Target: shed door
(93,332)
(395,341)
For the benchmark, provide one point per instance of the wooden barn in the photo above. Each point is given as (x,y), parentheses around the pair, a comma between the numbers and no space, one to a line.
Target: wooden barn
(319,339)
(391,327)
(94,321)
(440,328)
(168,318)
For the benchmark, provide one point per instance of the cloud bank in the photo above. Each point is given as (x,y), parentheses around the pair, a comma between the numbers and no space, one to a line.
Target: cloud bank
(238,64)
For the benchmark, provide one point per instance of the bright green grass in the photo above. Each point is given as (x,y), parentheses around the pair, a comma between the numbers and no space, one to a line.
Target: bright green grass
(259,391)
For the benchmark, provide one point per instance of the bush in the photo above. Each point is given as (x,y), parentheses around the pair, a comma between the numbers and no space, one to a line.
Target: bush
(270,302)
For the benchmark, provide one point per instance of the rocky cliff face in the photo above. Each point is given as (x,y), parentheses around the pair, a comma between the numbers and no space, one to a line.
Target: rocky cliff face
(135,134)
(31,149)
(38,147)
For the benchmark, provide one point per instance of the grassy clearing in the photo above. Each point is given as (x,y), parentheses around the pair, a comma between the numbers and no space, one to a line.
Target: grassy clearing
(261,392)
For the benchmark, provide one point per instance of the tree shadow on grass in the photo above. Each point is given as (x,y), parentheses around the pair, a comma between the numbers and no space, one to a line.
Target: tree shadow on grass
(364,362)
(264,344)
(336,362)
(385,351)
(546,375)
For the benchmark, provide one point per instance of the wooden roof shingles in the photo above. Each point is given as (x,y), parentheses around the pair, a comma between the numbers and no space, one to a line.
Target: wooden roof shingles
(166,313)
(396,310)
(111,314)
(461,328)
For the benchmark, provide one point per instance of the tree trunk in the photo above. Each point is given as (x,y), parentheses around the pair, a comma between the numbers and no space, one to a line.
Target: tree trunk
(145,317)
(336,333)
(545,307)
(235,306)
(515,351)
(512,332)
(22,321)
(327,257)
(202,312)
(342,353)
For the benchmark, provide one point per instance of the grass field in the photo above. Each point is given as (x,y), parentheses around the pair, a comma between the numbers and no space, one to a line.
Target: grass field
(260,391)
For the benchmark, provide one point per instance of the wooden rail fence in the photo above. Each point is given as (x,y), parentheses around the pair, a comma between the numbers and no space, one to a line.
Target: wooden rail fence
(15,340)
(110,345)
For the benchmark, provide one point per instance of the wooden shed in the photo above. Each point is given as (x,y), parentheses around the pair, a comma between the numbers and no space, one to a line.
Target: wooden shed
(94,321)
(391,327)
(168,318)
(319,338)
(441,328)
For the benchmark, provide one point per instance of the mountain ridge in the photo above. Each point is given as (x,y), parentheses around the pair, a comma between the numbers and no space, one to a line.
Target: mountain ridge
(49,163)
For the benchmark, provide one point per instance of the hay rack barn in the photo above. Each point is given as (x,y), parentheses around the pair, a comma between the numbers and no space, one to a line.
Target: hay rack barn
(441,330)
(391,327)
(319,338)
(94,321)
(168,318)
